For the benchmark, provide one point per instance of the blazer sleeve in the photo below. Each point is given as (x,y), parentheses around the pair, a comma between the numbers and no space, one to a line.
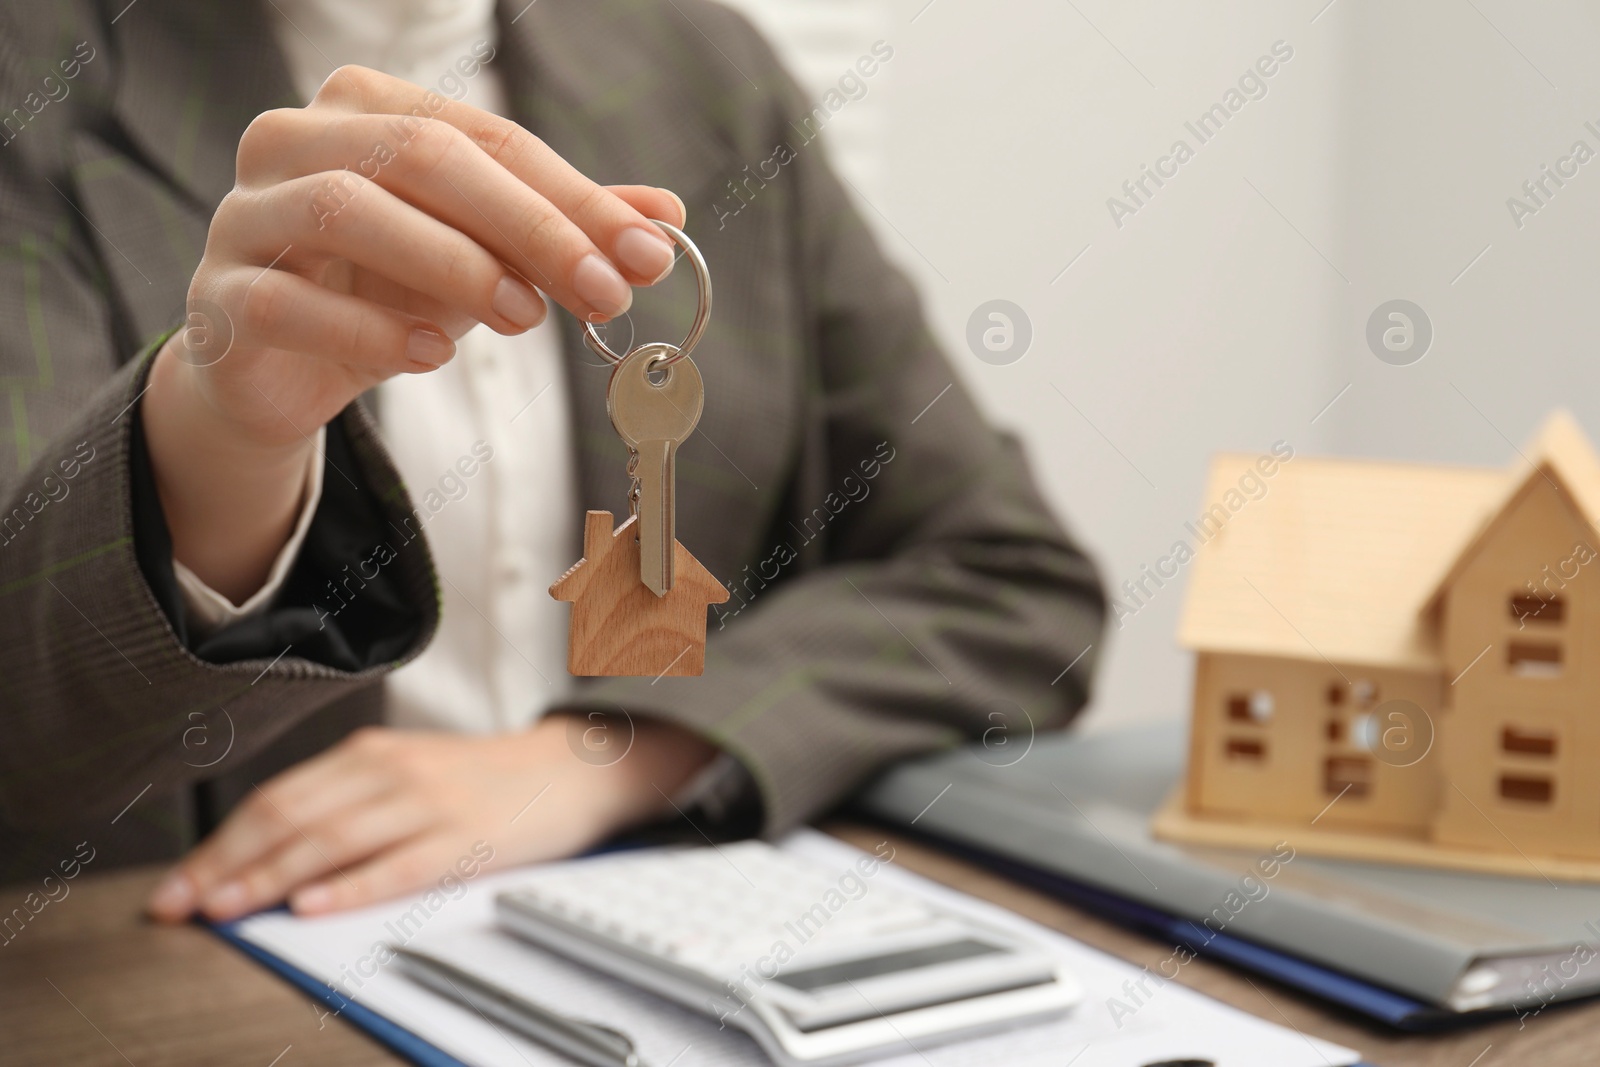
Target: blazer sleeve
(98,684)
(945,603)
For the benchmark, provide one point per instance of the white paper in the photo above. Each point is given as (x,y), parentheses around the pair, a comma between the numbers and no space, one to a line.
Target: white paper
(1168,1021)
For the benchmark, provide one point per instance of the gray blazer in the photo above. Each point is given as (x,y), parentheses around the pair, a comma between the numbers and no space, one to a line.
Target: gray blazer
(941,603)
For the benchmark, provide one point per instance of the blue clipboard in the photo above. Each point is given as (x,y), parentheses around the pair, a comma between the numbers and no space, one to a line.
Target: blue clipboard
(391,1035)
(1372,1001)
(396,1038)
(409,1046)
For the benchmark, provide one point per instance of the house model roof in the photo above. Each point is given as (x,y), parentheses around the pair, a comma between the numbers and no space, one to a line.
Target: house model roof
(1561,455)
(1341,557)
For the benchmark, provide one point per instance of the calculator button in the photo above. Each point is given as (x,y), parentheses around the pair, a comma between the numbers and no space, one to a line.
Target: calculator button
(716,910)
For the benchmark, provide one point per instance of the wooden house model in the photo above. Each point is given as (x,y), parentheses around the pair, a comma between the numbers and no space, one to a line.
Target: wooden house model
(619,627)
(1401,663)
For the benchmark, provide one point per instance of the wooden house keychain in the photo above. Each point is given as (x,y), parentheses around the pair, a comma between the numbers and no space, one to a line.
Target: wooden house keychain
(638,597)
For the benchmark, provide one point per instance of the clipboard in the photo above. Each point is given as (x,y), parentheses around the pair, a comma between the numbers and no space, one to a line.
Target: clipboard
(391,1035)
(1372,1001)
(306,958)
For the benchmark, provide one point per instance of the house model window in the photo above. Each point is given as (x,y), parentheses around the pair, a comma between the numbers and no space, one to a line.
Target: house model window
(1550,611)
(1347,776)
(1527,742)
(1256,707)
(1526,787)
(1534,659)
(1402,655)
(1246,749)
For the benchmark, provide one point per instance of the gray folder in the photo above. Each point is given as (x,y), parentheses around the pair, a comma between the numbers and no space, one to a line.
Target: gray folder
(1079,806)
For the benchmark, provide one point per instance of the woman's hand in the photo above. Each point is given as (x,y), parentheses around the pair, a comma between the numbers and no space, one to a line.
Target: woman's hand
(388,812)
(357,245)
(365,233)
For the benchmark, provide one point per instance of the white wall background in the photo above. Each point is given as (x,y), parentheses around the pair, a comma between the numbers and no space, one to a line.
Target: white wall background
(1231,309)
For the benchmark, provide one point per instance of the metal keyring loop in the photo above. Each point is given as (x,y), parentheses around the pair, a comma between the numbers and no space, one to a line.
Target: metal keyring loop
(702,314)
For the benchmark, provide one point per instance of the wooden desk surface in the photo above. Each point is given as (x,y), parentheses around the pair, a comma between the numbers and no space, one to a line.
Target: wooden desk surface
(89,983)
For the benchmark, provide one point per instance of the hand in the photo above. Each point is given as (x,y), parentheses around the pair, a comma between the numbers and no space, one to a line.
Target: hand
(356,246)
(359,242)
(386,812)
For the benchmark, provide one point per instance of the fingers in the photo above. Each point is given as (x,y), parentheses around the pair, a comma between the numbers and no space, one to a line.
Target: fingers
(409,867)
(325,848)
(276,309)
(338,779)
(653,203)
(319,171)
(301,224)
(611,230)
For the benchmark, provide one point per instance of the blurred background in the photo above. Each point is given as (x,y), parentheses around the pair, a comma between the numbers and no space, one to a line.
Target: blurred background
(1228,307)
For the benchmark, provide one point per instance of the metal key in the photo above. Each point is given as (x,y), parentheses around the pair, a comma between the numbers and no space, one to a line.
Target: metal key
(653,419)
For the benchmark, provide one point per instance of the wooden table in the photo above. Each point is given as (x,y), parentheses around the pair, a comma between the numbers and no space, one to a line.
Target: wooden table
(89,983)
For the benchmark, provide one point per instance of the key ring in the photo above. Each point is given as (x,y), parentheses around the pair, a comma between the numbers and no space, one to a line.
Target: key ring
(702,314)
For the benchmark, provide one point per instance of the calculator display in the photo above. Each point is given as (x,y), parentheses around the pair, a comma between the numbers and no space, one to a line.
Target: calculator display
(889,963)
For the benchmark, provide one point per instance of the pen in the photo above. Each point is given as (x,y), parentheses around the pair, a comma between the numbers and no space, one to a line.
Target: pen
(586,1042)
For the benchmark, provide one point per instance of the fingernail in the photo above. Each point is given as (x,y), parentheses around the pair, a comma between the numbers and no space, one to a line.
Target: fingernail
(598,283)
(226,900)
(683,212)
(429,346)
(174,896)
(312,899)
(645,253)
(515,301)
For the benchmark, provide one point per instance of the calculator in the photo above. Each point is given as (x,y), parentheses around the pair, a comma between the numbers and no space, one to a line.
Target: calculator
(821,964)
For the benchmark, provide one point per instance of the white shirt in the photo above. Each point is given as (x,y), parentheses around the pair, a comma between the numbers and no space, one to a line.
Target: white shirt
(483,444)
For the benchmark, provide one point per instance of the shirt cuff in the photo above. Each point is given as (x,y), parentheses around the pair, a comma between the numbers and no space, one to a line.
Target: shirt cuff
(208,610)
(722,794)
